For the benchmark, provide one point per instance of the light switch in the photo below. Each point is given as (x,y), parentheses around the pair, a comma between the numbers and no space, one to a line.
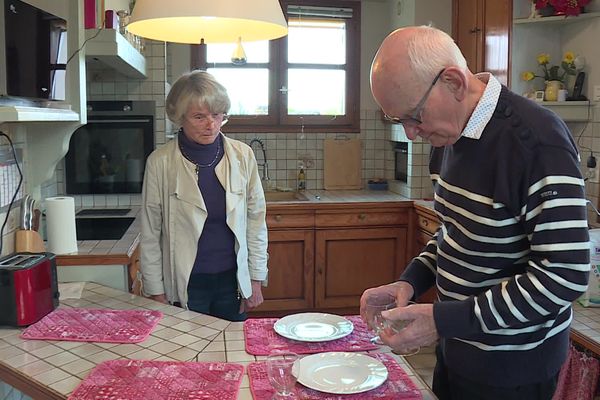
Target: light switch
(596,96)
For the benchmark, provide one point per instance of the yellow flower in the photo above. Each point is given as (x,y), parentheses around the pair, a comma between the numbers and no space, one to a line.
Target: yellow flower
(569,57)
(527,75)
(543,58)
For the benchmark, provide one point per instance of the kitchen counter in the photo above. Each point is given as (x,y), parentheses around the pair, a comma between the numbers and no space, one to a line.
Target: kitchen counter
(53,369)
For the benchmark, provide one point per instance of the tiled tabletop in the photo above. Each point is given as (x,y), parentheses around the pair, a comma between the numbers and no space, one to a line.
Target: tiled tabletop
(586,323)
(181,335)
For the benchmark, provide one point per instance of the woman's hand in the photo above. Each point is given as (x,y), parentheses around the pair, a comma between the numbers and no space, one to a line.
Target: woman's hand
(159,297)
(255,300)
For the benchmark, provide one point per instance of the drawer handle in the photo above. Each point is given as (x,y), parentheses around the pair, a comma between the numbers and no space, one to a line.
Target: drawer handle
(362,216)
(278,217)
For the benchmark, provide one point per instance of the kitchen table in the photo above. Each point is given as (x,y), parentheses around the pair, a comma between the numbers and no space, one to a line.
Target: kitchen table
(47,370)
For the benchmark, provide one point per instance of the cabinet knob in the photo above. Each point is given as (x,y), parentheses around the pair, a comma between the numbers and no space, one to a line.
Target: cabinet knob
(278,217)
(362,216)
(475,30)
(425,223)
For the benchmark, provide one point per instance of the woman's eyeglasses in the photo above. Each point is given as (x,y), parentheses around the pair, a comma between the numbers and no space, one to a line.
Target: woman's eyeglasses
(204,119)
(415,119)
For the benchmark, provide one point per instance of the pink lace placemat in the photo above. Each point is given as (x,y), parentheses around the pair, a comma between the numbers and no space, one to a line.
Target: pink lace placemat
(261,339)
(397,386)
(94,325)
(143,380)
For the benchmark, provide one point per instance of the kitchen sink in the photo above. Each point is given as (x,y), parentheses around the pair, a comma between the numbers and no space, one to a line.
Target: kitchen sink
(285,196)
(102,228)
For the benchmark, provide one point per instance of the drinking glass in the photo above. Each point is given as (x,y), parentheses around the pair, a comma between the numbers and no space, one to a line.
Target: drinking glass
(280,372)
(376,303)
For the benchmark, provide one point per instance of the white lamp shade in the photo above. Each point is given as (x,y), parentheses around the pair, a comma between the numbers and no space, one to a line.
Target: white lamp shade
(215,21)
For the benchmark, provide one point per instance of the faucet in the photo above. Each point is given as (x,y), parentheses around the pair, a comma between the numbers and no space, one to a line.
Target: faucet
(265,164)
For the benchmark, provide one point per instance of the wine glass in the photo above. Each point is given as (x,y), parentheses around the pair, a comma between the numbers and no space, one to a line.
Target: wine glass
(280,372)
(376,303)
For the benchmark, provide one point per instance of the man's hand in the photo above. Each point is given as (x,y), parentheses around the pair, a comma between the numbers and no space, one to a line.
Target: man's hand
(255,300)
(420,332)
(402,291)
(159,297)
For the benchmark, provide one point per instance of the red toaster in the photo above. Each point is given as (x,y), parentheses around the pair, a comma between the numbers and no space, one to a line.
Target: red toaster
(28,288)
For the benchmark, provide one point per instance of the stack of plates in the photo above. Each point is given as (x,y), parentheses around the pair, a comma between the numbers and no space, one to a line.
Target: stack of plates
(332,372)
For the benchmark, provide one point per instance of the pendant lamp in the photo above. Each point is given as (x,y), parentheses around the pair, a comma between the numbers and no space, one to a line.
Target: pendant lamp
(215,21)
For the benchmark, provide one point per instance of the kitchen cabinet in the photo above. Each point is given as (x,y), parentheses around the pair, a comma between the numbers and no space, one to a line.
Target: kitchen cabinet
(322,257)
(357,250)
(427,223)
(291,261)
(481,29)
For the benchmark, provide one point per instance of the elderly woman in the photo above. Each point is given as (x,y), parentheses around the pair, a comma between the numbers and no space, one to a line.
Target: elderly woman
(204,235)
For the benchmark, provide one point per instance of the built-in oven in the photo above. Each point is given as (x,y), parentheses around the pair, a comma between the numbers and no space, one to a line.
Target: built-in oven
(108,154)
(401,160)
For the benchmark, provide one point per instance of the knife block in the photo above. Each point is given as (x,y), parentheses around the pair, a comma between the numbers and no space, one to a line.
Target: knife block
(29,241)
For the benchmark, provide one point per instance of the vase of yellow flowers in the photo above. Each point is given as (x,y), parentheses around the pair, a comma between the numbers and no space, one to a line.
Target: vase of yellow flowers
(555,75)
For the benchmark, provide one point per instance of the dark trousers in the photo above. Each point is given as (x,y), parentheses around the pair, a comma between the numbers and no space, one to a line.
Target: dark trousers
(216,295)
(448,385)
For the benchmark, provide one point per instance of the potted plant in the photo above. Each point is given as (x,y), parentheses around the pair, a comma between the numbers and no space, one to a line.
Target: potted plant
(554,76)
(548,8)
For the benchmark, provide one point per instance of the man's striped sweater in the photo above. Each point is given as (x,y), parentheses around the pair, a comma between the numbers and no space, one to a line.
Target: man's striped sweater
(512,252)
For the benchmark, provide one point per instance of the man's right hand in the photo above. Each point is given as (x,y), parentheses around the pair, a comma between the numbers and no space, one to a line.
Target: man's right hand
(402,291)
(160,297)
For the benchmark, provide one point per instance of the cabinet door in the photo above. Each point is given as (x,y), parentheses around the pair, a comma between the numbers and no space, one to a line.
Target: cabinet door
(481,29)
(351,260)
(291,271)
(422,238)
(468,31)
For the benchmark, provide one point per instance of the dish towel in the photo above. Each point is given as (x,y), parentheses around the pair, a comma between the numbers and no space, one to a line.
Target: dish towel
(143,380)
(397,386)
(261,339)
(94,325)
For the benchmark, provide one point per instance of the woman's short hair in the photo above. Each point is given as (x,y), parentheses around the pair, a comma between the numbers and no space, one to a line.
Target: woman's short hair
(196,87)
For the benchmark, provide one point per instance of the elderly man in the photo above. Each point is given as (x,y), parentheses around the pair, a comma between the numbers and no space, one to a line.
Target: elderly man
(512,251)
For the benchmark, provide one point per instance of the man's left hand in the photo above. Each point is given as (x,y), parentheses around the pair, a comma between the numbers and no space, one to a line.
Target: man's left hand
(255,300)
(420,332)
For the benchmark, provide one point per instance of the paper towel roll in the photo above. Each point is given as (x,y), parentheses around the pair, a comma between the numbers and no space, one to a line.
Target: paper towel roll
(60,225)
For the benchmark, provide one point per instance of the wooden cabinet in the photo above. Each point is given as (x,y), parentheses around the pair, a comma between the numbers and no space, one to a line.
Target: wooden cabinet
(482,29)
(291,261)
(322,257)
(427,224)
(357,250)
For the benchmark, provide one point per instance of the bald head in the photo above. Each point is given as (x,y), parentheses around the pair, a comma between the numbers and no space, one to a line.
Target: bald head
(406,62)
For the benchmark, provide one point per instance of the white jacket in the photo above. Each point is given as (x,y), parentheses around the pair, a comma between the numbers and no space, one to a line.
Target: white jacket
(173,215)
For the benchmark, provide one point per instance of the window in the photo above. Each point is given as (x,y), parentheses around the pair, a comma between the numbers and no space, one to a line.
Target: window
(309,78)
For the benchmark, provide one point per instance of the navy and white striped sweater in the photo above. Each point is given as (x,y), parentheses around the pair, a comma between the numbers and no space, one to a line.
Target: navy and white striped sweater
(513,249)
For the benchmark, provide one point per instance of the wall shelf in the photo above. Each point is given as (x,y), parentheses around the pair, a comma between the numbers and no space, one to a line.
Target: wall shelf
(36,114)
(557,20)
(109,47)
(571,111)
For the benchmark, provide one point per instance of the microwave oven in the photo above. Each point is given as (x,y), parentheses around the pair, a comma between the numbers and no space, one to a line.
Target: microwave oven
(33,51)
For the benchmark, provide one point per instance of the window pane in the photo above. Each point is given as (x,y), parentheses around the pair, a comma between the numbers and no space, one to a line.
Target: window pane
(248,89)
(316,92)
(256,52)
(316,41)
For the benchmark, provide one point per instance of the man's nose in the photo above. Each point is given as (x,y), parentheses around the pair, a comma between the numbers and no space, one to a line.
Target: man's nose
(411,132)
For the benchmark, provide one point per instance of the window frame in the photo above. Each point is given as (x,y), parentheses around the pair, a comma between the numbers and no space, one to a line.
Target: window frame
(278,120)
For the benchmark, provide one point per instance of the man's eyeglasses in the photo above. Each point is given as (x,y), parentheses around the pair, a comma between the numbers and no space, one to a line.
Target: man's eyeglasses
(415,119)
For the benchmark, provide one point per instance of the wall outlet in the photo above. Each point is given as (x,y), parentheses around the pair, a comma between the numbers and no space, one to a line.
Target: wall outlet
(596,96)
(593,174)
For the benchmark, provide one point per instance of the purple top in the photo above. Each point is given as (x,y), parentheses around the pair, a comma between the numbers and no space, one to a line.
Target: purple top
(216,246)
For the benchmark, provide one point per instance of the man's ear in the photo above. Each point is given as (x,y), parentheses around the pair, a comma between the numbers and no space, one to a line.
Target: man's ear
(456,81)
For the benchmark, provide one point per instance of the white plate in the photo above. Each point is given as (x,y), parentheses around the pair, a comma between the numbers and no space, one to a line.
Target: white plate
(313,327)
(341,373)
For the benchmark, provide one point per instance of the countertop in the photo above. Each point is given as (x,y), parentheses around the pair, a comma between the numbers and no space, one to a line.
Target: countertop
(120,251)
(53,369)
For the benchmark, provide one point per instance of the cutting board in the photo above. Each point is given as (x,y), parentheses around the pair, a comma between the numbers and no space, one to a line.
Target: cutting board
(342,164)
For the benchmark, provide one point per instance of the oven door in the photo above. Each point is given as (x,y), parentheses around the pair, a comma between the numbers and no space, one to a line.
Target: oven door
(108,155)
